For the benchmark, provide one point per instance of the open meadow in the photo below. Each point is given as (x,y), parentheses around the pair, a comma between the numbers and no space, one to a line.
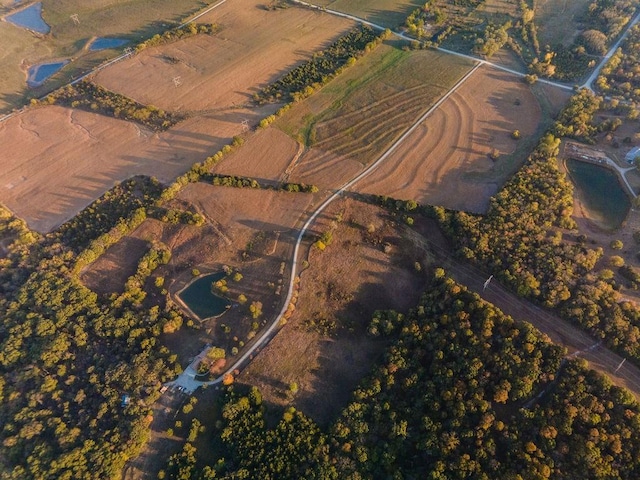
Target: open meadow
(224,70)
(448,160)
(133,21)
(323,348)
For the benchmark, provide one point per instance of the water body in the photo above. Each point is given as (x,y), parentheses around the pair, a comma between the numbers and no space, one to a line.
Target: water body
(601,192)
(201,301)
(39,73)
(30,18)
(103,43)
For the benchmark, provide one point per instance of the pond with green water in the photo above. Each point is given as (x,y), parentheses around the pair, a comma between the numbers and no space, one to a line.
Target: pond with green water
(600,190)
(201,300)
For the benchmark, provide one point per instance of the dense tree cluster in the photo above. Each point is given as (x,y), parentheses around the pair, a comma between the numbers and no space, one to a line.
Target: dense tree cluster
(95,98)
(66,359)
(620,77)
(463,391)
(304,79)
(245,182)
(520,241)
(576,119)
(178,33)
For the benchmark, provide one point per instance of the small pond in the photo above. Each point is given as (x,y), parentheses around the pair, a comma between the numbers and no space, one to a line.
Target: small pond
(200,299)
(39,73)
(30,18)
(103,43)
(600,190)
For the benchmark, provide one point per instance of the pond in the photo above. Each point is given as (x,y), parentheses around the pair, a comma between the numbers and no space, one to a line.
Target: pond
(30,18)
(600,190)
(103,43)
(199,298)
(39,73)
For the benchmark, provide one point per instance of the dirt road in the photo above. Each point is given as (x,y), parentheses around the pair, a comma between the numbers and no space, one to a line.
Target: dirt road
(560,331)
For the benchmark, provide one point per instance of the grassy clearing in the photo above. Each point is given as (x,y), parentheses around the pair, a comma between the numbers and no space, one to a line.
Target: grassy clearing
(362,112)
(559,20)
(133,20)
(389,13)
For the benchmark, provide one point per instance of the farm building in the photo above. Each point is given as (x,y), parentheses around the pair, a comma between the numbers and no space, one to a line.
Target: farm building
(631,156)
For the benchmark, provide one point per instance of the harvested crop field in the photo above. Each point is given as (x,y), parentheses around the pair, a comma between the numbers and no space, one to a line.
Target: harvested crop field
(57,160)
(254,47)
(446,161)
(324,347)
(354,119)
(265,155)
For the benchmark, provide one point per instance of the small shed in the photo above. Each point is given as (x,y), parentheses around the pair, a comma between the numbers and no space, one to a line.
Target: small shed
(632,154)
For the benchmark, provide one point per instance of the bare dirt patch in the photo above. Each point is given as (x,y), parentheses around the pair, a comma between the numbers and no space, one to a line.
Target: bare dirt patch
(110,272)
(446,161)
(254,47)
(264,156)
(369,265)
(57,160)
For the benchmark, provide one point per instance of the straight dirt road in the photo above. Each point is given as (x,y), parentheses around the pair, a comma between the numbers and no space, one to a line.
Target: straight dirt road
(560,331)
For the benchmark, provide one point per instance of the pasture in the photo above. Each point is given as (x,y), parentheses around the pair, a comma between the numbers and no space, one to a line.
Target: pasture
(57,160)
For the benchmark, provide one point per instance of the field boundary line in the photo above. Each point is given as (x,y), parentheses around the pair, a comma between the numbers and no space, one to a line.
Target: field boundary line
(266,336)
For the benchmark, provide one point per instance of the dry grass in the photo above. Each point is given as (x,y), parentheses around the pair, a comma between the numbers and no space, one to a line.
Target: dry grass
(388,13)
(134,20)
(363,111)
(446,161)
(345,283)
(57,160)
(222,71)
(559,20)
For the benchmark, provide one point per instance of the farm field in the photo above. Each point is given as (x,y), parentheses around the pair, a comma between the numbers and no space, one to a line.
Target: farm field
(134,21)
(447,160)
(388,13)
(351,121)
(224,70)
(58,160)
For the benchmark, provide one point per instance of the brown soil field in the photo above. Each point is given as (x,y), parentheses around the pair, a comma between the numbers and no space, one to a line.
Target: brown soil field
(57,160)
(369,265)
(446,160)
(254,47)
(265,155)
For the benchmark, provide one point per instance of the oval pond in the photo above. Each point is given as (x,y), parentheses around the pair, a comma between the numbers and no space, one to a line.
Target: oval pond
(200,299)
(601,192)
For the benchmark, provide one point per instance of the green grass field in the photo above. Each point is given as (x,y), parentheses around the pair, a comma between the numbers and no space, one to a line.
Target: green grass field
(363,111)
(130,19)
(389,13)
